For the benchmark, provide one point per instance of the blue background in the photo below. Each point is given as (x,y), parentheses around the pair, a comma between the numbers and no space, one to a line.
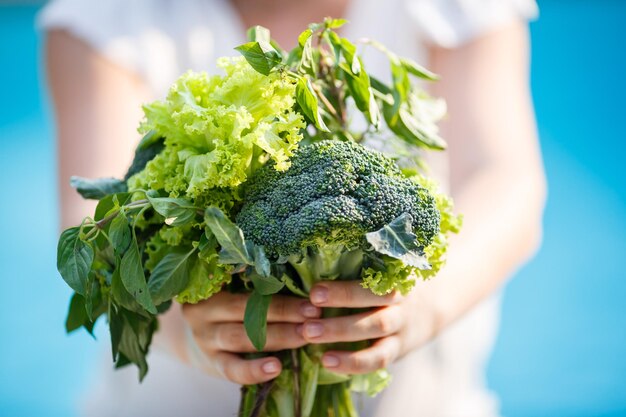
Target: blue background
(562,348)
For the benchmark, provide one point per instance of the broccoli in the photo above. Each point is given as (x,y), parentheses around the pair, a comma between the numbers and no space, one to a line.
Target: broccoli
(315,215)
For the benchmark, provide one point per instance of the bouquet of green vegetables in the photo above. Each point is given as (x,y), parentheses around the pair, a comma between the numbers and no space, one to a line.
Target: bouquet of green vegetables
(256,181)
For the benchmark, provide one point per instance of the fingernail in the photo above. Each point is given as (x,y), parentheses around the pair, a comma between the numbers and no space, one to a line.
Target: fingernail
(313,329)
(319,295)
(299,328)
(330,361)
(309,310)
(270,367)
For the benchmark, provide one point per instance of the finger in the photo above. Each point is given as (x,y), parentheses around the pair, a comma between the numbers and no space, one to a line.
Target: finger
(349,294)
(225,306)
(363,326)
(232,337)
(247,372)
(380,355)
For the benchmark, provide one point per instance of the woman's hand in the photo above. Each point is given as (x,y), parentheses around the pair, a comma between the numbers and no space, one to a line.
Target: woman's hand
(217,328)
(400,324)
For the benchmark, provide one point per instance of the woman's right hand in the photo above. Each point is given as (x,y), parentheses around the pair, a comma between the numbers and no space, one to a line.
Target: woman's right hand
(217,328)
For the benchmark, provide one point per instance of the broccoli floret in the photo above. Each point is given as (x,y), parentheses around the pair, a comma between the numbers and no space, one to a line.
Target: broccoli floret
(317,212)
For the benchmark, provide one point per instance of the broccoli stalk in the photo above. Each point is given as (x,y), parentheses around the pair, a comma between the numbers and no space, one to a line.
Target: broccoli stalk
(326,262)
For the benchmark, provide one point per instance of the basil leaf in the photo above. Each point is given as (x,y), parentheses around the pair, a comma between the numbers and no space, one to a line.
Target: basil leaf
(95,302)
(95,189)
(307,100)
(261,263)
(76,314)
(229,236)
(116,327)
(110,202)
(404,124)
(304,36)
(136,336)
(170,276)
(384,91)
(259,33)
(255,318)
(413,68)
(361,90)
(120,233)
(260,55)
(266,285)
(349,52)
(74,259)
(334,23)
(177,211)
(119,293)
(307,64)
(397,240)
(134,279)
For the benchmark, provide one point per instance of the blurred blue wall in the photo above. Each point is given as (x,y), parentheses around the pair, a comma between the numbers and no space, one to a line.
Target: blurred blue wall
(562,349)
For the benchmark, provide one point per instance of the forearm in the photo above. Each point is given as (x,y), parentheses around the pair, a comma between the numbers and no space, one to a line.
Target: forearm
(501,230)
(497,176)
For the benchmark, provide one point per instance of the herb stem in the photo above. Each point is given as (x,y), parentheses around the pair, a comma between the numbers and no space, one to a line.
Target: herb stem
(324,100)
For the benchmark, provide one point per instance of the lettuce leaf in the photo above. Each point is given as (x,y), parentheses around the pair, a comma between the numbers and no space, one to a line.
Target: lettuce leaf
(219,129)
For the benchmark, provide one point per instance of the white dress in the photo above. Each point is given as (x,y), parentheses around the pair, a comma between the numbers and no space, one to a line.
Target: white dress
(159,40)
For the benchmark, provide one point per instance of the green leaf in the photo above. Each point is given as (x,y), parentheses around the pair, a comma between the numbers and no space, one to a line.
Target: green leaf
(307,64)
(261,263)
(304,36)
(74,259)
(116,327)
(135,339)
(334,23)
(397,240)
(259,33)
(385,92)
(95,189)
(413,68)
(134,279)
(110,202)
(119,293)
(150,146)
(229,236)
(177,211)
(401,83)
(361,90)
(404,123)
(260,55)
(120,233)
(307,100)
(96,303)
(349,52)
(255,318)
(76,314)
(293,287)
(266,285)
(170,276)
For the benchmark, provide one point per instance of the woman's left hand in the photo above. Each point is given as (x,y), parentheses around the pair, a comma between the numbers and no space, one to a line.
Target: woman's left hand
(399,323)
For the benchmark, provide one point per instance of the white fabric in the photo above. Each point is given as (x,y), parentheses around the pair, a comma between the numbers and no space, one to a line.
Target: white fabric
(160,39)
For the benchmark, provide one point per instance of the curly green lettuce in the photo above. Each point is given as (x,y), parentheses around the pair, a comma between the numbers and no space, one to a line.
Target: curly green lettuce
(219,129)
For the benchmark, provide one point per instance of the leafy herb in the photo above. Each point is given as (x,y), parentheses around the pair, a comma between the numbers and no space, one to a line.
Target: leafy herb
(255,318)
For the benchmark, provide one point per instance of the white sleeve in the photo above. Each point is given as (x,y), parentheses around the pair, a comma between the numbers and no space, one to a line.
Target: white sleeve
(450,23)
(106,26)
